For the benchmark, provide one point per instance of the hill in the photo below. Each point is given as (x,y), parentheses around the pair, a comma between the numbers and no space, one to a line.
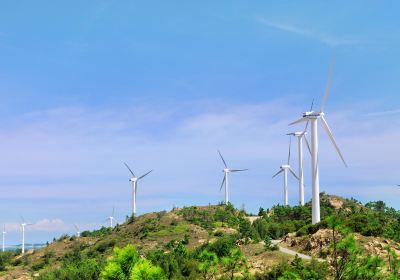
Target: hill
(221,242)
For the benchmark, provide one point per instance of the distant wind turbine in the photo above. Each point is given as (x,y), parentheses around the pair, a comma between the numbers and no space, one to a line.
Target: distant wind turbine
(111,218)
(78,232)
(4,238)
(225,181)
(302,136)
(313,117)
(23,225)
(134,181)
(285,169)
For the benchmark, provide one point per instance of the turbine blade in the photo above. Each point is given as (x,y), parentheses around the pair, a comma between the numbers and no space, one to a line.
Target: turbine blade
(145,174)
(299,121)
(294,174)
(223,181)
(290,145)
(129,170)
(226,166)
(76,227)
(113,212)
(312,105)
(328,82)
(279,172)
(307,143)
(237,170)
(330,134)
(306,127)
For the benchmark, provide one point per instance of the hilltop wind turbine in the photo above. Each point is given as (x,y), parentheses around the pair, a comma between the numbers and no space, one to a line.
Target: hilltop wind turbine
(225,181)
(285,169)
(23,225)
(313,117)
(302,136)
(78,232)
(4,238)
(111,218)
(134,181)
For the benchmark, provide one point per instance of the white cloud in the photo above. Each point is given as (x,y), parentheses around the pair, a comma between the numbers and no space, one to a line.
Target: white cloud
(62,160)
(327,39)
(384,113)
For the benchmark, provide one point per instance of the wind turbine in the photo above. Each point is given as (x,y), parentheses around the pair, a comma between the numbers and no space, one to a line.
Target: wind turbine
(302,136)
(78,232)
(225,181)
(23,225)
(4,238)
(285,169)
(313,117)
(134,181)
(111,218)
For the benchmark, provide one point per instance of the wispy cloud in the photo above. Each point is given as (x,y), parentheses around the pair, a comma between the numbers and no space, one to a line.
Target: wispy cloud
(384,113)
(59,161)
(327,39)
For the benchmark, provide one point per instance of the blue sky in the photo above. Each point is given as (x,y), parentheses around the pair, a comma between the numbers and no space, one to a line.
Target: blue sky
(87,86)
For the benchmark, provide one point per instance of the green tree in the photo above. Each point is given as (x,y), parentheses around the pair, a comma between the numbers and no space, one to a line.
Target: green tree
(144,270)
(208,264)
(393,262)
(234,262)
(120,265)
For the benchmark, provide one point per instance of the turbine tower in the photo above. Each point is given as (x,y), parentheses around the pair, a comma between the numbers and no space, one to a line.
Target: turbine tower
(225,181)
(134,181)
(111,218)
(313,117)
(23,225)
(4,238)
(301,137)
(78,232)
(286,169)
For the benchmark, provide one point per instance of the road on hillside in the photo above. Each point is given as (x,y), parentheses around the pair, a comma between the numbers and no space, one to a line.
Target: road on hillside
(292,253)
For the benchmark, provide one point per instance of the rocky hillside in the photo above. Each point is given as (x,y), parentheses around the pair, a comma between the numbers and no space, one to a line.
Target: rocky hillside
(177,241)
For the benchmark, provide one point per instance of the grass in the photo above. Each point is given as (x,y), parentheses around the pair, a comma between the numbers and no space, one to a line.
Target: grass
(178,229)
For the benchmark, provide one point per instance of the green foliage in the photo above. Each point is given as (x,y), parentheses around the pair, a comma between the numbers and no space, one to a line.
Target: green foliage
(5,259)
(120,265)
(393,263)
(103,231)
(208,264)
(209,218)
(348,260)
(84,269)
(247,231)
(223,245)
(269,246)
(144,270)
(234,262)
(297,269)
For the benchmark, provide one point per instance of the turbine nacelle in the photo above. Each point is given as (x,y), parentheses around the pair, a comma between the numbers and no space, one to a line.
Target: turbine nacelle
(226,170)
(298,134)
(312,115)
(133,179)
(286,166)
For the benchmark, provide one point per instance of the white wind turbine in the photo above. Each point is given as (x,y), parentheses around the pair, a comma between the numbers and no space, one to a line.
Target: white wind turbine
(23,225)
(134,181)
(286,169)
(111,218)
(313,117)
(4,238)
(225,181)
(301,137)
(78,232)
